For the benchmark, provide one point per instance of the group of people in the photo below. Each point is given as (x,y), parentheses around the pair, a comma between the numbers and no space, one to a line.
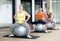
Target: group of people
(43,18)
(40,16)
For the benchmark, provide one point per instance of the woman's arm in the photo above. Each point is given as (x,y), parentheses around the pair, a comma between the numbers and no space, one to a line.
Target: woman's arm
(15,16)
(46,17)
(52,16)
(28,16)
(36,16)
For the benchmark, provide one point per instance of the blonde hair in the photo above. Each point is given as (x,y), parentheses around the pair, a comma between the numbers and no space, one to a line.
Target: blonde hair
(20,5)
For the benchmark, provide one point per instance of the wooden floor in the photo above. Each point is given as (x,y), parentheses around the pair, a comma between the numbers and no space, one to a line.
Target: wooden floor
(53,36)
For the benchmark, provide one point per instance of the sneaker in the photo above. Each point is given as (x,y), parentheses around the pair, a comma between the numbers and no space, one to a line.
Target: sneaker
(11,35)
(46,31)
(29,36)
(32,30)
(55,28)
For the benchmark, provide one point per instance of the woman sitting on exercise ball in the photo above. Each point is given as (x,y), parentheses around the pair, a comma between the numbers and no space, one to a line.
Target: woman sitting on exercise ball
(41,18)
(20,19)
(50,17)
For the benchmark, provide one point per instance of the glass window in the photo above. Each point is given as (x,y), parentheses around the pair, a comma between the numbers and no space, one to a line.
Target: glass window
(27,6)
(53,0)
(56,11)
(57,0)
(44,0)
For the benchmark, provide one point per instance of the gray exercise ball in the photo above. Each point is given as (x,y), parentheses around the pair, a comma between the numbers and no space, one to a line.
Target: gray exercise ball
(40,27)
(50,25)
(20,30)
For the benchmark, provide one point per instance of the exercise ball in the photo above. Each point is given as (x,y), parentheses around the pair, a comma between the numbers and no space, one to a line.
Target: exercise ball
(50,25)
(40,27)
(20,30)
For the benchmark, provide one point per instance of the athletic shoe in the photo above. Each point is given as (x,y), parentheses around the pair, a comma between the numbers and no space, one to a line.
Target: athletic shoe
(11,35)
(29,36)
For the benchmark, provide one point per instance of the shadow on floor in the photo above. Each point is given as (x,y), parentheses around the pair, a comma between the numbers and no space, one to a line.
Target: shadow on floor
(41,32)
(4,27)
(25,37)
(53,29)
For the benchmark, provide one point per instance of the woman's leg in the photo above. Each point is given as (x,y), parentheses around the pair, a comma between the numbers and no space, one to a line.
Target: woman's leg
(46,27)
(28,28)
(51,20)
(11,29)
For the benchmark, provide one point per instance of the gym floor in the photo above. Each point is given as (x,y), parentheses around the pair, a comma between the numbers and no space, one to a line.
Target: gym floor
(54,35)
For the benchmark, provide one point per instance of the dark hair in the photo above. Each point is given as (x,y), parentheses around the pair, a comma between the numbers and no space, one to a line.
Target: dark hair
(40,6)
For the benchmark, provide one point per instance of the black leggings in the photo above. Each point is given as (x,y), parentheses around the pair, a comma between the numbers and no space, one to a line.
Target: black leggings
(39,22)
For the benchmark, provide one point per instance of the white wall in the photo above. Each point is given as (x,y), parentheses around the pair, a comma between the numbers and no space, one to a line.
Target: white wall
(5,13)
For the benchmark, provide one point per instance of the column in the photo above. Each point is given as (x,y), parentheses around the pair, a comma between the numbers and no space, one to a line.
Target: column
(33,8)
(17,3)
(49,4)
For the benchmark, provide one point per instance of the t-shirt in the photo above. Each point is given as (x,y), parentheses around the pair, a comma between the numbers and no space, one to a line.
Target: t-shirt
(40,16)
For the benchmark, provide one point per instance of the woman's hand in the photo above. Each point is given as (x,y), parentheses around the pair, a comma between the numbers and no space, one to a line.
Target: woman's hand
(24,20)
(16,20)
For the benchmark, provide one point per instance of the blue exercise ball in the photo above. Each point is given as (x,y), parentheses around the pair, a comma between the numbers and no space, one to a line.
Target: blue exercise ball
(40,27)
(20,30)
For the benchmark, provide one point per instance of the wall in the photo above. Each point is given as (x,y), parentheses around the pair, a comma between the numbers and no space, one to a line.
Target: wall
(5,12)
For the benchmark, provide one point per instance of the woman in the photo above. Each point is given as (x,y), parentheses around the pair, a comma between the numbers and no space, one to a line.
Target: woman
(20,19)
(41,18)
(50,17)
